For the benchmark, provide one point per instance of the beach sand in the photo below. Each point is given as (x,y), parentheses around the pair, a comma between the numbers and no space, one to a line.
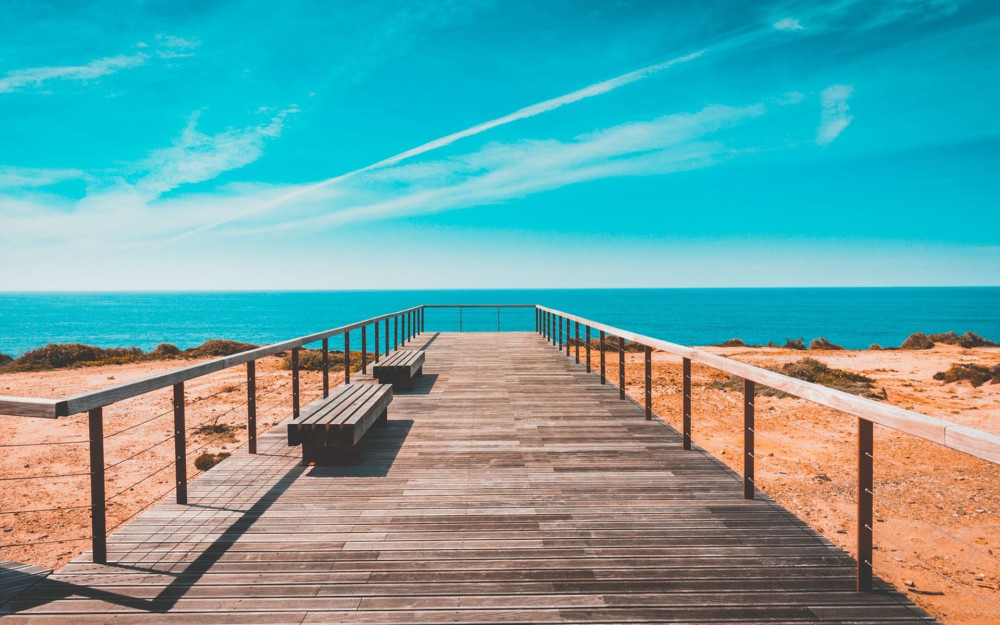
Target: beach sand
(937,511)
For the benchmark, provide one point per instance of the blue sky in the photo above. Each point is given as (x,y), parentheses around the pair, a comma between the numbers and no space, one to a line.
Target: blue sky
(329,145)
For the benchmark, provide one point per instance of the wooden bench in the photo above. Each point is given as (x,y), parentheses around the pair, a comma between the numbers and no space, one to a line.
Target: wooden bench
(400,368)
(330,429)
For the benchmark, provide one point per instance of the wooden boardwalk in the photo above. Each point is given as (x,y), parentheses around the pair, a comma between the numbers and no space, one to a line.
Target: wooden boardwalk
(510,486)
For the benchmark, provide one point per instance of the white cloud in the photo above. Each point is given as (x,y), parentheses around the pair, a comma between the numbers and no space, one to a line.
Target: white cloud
(29,177)
(834,116)
(788,23)
(196,156)
(20,78)
(171,47)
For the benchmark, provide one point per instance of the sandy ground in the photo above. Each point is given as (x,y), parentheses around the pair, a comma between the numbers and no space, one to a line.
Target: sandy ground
(937,511)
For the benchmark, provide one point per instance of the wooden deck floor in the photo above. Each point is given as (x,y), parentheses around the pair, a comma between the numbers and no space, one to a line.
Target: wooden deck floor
(510,486)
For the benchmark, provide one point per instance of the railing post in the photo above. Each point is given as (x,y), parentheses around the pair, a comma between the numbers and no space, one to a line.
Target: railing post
(748,432)
(98,518)
(686,408)
(621,368)
(498,318)
(536,320)
(395,331)
(604,377)
(587,339)
(577,341)
(567,338)
(326,367)
(295,382)
(364,349)
(252,406)
(649,383)
(402,329)
(559,331)
(347,357)
(180,444)
(866,496)
(459,318)
(386,336)
(376,340)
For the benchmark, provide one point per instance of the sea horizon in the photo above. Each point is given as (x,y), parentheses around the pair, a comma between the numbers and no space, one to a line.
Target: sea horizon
(854,317)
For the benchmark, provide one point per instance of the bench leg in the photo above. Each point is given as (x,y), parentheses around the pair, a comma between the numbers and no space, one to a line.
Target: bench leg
(383,419)
(350,455)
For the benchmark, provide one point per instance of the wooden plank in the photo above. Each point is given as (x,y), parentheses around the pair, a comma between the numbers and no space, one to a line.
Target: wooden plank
(516,489)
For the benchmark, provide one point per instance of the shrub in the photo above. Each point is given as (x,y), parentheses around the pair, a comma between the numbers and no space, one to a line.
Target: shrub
(976,374)
(996,374)
(917,340)
(206,461)
(967,340)
(875,347)
(60,355)
(796,344)
(5,359)
(219,347)
(312,360)
(812,370)
(220,430)
(165,350)
(823,344)
(731,343)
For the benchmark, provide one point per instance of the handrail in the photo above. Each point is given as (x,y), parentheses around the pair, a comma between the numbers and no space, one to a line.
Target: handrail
(479,306)
(951,435)
(83,402)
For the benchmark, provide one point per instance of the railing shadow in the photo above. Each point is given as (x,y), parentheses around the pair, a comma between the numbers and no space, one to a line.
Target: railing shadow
(48,590)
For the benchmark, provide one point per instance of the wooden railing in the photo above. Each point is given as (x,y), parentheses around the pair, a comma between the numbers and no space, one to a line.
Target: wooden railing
(557,327)
(551,323)
(406,324)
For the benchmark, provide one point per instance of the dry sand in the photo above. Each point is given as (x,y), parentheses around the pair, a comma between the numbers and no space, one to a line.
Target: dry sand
(937,511)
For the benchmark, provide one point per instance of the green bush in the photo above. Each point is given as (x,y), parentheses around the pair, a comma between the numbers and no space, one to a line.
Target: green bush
(967,340)
(61,355)
(206,461)
(917,340)
(5,359)
(823,344)
(796,344)
(975,374)
(218,347)
(165,351)
(731,343)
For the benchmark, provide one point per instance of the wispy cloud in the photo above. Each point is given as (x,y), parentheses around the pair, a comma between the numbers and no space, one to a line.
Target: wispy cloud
(834,116)
(523,113)
(171,47)
(787,23)
(30,177)
(196,156)
(35,76)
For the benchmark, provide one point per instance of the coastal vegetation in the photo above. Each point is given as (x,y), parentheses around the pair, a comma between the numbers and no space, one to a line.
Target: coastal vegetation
(823,344)
(975,374)
(812,370)
(207,460)
(66,355)
(312,360)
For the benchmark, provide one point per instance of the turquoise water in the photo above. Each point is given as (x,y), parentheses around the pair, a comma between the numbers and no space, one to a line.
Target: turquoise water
(853,317)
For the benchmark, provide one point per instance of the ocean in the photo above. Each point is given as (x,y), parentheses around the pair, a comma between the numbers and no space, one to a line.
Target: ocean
(853,317)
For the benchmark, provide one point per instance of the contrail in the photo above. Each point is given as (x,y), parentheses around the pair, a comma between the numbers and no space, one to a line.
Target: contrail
(524,113)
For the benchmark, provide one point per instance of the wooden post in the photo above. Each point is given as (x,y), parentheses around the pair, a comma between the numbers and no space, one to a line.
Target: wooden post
(326,368)
(587,339)
(386,336)
(686,394)
(748,432)
(364,349)
(559,331)
(577,342)
(649,383)
(295,383)
(621,368)
(376,340)
(866,496)
(498,318)
(567,338)
(604,377)
(395,331)
(347,357)
(252,406)
(459,318)
(98,518)
(180,444)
